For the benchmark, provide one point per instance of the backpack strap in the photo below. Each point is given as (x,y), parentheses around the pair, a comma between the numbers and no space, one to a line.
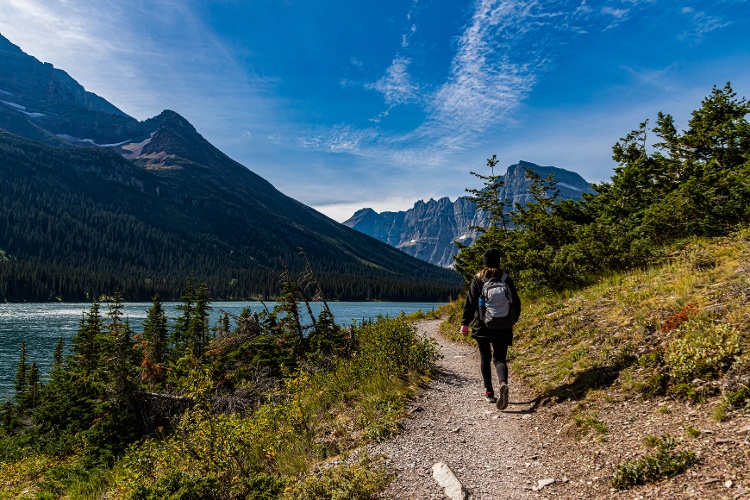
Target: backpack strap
(480,309)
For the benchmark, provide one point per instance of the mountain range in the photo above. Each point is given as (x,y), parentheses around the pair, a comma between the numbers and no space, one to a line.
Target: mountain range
(94,200)
(428,229)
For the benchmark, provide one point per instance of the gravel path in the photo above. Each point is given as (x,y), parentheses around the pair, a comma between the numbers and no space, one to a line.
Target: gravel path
(505,454)
(495,454)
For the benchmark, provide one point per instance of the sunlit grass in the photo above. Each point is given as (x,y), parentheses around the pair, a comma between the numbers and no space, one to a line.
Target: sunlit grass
(615,326)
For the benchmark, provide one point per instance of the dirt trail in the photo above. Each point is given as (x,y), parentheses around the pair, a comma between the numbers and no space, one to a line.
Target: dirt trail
(504,454)
(495,454)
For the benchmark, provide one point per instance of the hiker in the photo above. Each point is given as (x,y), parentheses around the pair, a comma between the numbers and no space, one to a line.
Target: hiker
(492,308)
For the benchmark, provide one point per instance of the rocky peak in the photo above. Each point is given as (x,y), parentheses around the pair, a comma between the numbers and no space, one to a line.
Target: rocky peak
(429,229)
(7,46)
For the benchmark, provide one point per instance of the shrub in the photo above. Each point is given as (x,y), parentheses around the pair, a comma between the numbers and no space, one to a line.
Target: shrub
(178,486)
(394,346)
(704,349)
(679,318)
(341,482)
(665,462)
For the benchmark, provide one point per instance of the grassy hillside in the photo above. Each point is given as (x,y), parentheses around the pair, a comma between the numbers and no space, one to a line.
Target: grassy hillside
(649,367)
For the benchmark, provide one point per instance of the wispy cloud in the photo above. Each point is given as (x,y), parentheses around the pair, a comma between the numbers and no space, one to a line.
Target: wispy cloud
(126,52)
(485,85)
(701,24)
(341,139)
(500,55)
(396,85)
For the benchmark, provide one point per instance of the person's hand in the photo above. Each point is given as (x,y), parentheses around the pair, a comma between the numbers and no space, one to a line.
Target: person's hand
(464,330)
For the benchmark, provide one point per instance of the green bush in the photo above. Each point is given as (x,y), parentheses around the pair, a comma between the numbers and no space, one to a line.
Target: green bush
(666,462)
(178,486)
(394,346)
(703,349)
(341,482)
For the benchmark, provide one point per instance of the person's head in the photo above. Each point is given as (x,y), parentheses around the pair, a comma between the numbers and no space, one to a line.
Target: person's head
(491,259)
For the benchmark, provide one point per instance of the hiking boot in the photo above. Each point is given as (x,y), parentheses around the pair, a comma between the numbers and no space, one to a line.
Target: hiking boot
(502,399)
(489,396)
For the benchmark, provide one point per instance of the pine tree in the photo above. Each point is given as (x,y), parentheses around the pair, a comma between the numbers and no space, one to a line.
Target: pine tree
(496,228)
(32,392)
(22,375)
(199,327)
(7,416)
(57,358)
(155,331)
(86,343)
(181,331)
(120,352)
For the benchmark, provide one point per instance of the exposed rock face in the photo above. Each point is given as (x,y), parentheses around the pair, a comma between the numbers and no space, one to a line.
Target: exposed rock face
(45,104)
(428,230)
(516,186)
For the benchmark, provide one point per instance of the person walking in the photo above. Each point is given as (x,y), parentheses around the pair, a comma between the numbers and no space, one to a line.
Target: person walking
(492,307)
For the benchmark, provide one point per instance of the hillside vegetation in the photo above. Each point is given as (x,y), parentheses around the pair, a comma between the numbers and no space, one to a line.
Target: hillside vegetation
(664,350)
(638,297)
(193,412)
(683,183)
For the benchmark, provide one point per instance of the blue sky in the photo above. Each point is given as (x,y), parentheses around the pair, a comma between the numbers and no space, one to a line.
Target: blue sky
(348,104)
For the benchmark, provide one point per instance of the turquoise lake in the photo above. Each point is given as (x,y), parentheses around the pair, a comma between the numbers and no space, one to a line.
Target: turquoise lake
(42,324)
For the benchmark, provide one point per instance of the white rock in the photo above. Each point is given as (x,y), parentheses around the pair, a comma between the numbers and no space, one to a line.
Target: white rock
(449,482)
(544,482)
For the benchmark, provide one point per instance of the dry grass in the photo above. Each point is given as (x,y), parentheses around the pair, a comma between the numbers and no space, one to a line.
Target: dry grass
(629,354)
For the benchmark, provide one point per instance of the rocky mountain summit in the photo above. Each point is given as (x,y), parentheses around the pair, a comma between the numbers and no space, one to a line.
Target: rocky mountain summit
(428,230)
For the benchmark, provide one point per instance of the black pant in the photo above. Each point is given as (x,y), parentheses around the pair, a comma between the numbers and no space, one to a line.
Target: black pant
(495,352)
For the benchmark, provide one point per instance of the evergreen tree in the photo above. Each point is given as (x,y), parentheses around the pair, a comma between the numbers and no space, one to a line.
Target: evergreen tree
(183,323)
(287,313)
(86,342)
(495,228)
(32,392)
(199,328)
(7,416)
(120,352)
(155,332)
(22,376)
(57,358)
(488,199)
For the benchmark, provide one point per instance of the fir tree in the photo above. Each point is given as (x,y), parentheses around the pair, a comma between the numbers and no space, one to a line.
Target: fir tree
(22,375)
(155,331)
(86,342)
(57,358)
(199,328)
(120,350)
(181,331)
(32,392)
(496,227)
(488,199)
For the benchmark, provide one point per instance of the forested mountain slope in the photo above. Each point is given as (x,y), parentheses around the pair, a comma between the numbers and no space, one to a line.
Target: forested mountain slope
(93,200)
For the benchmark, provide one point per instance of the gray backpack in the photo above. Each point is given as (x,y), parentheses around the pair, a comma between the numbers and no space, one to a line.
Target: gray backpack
(498,311)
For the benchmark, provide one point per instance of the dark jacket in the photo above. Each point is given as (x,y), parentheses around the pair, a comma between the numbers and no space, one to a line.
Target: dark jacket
(471,311)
